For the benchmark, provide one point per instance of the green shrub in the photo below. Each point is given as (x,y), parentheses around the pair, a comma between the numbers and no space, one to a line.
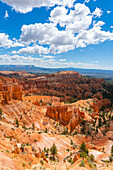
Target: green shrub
(29,162)
(99,122)
(24,125)
(88,159)
(53,149)
(10,138)
(70,153)
(7,151)
(71,142)
(107,161)
(95,165)
(68,149)
(103,132)
(83,155)
(17,122)
(111,158)
(90,165)
(64,132)
(42,162)
(27,144)
(82,164)
(22,147)
(46,130)
(72,162)
(33,126)
(69,160)
(92,157)
(47,150)
(23,164)
(75,133)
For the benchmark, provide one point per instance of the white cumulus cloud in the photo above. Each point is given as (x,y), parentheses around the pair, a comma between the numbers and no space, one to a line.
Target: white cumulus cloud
(98,12)
(46,34)
(33,50)
(76,20)
(24,6)
(77,30)
(92,36)
(5,41)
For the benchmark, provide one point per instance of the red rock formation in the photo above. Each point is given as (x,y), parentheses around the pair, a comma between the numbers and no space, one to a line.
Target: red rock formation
(73,123)
(80,114)
(36,103)
(65,116)
(17,92)
(66,85)
(16,150)
(98,95)
(100,104)
(59,113)
(38,155)
(9,89)
(76,157)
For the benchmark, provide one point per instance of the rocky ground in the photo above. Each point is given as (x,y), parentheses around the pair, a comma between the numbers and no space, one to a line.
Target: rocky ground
(22,146)
(31,125)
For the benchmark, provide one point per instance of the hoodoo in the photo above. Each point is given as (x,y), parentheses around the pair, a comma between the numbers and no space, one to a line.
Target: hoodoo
(9,89)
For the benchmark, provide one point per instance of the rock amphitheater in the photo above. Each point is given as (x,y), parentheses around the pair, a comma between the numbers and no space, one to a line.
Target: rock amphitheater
(30,124)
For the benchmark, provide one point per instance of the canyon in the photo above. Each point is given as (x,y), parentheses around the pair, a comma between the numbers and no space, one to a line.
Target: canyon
(31,123)
(70,86)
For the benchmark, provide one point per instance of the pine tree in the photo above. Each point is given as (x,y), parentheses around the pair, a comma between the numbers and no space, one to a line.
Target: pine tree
(83,129)
(110,117)
(83,148)
(96,130)
(53,150)
(99,122)
(112,150)
(94,123)
(17,122)
(71,142)
(24,125)
(33,126)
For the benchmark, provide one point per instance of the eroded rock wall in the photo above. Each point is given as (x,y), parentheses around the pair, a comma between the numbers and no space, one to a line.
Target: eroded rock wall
(9,89)
(65,116)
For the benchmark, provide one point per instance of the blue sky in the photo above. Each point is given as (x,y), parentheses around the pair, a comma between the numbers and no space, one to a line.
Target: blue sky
(59,33)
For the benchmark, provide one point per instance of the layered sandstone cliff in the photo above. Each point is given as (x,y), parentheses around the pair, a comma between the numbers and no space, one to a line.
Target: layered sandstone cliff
(9,89)
(65,116)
